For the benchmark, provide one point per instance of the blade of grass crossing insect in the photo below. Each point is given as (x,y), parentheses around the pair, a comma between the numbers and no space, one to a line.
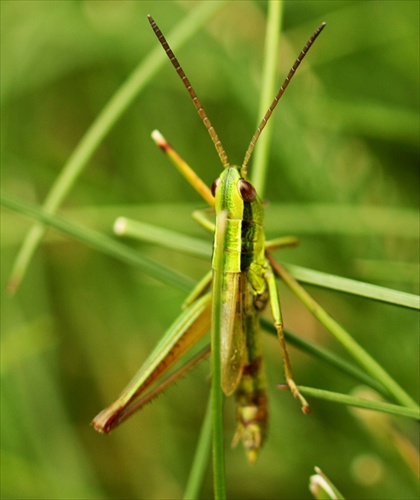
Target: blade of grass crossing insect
(358,353)
(216,387)
(259,166)
(124,96)
(201,458)
(201,248)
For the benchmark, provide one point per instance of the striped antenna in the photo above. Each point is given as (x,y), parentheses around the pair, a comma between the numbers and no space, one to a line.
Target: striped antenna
(216,141)
(277,98)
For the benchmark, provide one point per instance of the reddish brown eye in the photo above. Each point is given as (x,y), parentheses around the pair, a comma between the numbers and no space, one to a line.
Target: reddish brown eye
(213,188)
(247,191)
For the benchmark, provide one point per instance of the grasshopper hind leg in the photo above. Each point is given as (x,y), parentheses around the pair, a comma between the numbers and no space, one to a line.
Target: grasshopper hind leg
(278,324)
(288,370)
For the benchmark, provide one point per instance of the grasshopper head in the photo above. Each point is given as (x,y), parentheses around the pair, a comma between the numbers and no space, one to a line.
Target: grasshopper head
(233,193)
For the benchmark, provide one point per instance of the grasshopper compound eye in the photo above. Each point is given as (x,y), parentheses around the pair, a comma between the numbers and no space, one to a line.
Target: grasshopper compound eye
(247,191)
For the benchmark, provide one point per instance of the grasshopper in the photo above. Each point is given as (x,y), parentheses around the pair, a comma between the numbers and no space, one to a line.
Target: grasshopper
(242,282)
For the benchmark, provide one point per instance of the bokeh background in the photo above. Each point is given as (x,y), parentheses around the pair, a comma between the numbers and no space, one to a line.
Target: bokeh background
(343,177)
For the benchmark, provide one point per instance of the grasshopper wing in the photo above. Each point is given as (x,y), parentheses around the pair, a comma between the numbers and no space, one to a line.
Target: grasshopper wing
(232,334)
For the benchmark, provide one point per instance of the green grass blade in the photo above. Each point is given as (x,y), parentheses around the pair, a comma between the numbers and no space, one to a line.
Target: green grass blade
(400,411)
(268,91)
(216,384)
(102,243)
(354,287)
(121,100)
(162,237)
(201,458)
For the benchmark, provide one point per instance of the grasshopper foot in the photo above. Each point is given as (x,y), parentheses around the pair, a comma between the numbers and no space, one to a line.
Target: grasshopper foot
(291,385)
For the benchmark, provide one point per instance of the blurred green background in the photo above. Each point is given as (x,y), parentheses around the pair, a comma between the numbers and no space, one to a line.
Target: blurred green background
(343,177)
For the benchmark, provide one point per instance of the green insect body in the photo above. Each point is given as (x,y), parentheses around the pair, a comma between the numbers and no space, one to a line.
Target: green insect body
(243,295)
(251,393)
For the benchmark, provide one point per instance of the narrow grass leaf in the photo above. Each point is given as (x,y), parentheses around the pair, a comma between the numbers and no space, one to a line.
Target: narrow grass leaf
(201,458)
(162,237)
(353,287)
(336,397)
(268,91)
(102,243)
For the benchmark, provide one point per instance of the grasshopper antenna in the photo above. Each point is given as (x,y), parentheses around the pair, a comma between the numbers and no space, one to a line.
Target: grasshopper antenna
(281,91)
(203,115)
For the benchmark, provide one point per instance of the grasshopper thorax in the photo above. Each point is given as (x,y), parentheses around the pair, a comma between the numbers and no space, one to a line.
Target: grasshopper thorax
(239,215)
